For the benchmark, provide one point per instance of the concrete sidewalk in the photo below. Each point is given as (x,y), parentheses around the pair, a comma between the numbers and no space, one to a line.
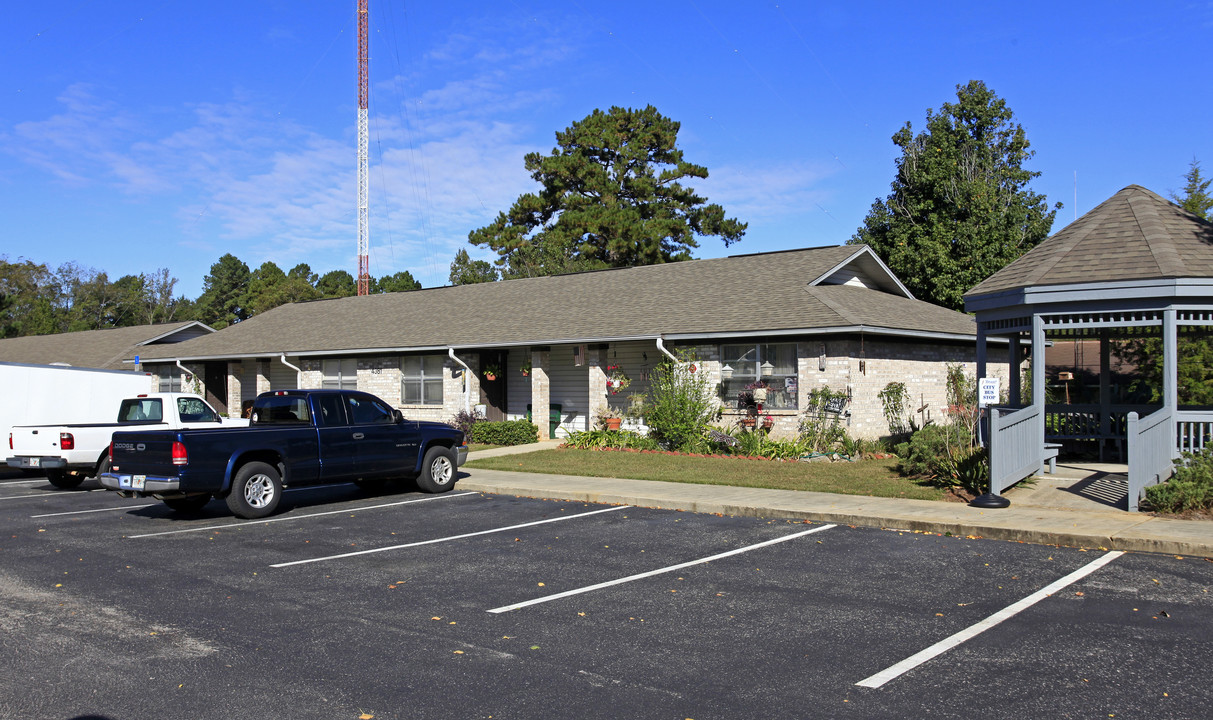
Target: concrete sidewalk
(1044,513)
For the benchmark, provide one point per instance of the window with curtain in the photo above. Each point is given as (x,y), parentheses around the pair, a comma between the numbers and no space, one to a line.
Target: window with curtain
(340,374)
(421,380)
(747,360)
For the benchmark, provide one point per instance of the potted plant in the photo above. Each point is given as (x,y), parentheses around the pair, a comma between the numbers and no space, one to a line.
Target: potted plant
(607,417)
(617,379)
(491,372)
(768,422)
(526,368)
(746,421)
(759,391)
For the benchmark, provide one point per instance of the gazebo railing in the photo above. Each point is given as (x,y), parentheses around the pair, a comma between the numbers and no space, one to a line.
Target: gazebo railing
(1151,450)
(1016,450)
(1193,430)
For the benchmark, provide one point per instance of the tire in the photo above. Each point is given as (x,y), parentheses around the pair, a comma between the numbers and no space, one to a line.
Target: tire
(188,504)
(102,467)
(256,491)
(437,470)
(64,480)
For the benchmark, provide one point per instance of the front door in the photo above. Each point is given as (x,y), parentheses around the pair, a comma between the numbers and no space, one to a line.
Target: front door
(215,380)
(493,392)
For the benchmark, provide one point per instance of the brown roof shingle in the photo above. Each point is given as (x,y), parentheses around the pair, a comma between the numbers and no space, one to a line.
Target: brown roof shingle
(750,294)
(1133,235)
(105,349)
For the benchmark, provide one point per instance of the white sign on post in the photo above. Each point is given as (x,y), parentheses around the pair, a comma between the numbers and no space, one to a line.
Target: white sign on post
(987,392)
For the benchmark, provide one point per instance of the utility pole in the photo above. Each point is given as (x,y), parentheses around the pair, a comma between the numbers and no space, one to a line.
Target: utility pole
(364,231)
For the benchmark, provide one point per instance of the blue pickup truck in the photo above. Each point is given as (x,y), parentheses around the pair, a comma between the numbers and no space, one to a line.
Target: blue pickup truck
(295,438)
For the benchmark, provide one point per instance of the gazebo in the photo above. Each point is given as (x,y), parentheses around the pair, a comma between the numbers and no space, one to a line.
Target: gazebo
(1136,267)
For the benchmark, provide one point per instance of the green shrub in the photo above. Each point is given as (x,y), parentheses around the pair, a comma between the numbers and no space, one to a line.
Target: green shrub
(944,455)
(822,431)
(617,439)
(1191,488)
(682,405)
(505,432)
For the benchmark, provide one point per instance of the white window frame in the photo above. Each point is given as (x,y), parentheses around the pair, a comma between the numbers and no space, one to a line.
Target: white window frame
(424,375)
(339,373)
(748,369)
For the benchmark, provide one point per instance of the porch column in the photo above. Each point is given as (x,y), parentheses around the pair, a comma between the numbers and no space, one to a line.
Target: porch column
(541,387)
(1038,377)
(1170,372)
(235,374)
(597,386)
(1105,393)
(1015,381)
(981,350)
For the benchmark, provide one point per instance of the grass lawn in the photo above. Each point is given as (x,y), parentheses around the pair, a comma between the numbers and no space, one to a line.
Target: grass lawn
(867,477)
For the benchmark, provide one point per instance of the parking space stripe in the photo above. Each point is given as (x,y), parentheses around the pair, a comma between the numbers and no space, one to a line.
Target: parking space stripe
(448,538)
(301,517)
(651,573)
(946,644)
(85,512)
(43,496)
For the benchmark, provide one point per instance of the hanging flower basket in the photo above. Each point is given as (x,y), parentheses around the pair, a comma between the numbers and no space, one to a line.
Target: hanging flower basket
(617,380)
(526,369)
(768,422)
(491,372)
(747,421)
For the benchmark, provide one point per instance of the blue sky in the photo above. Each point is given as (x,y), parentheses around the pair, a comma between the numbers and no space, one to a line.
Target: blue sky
(141,135)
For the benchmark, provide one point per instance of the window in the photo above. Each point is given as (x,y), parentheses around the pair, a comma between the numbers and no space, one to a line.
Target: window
(340,374)
(331,412)
(194,410)
(282,409)
(170,382)
(140,410)
(747,361)
(421,380)
(365,410)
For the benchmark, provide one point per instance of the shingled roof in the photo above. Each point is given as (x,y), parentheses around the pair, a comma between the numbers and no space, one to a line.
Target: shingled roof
(752,295)
(105,349)
(1133,235)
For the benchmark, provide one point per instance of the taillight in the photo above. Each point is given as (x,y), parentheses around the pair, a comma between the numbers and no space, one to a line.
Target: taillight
(111,452)
(10,441)
(180,456)
(66,441)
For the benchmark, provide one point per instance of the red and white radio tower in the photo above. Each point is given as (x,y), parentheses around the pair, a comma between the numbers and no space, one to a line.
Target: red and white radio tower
(364,231)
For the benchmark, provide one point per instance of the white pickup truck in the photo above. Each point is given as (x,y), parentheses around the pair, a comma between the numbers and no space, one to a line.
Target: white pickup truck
(68,454)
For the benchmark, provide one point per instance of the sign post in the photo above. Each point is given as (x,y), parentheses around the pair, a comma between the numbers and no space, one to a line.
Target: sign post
(987,395)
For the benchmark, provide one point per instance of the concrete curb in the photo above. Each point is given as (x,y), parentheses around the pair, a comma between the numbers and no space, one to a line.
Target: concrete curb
(1111,530)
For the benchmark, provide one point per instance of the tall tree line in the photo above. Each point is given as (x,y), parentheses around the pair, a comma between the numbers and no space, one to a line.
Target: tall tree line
(38,300)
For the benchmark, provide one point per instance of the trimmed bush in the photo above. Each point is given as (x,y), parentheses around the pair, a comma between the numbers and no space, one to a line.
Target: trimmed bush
(1191,488)
(613,439)
(505,432)
(943,455)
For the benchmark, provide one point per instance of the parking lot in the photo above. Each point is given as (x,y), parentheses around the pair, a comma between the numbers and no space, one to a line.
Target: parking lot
(468,605)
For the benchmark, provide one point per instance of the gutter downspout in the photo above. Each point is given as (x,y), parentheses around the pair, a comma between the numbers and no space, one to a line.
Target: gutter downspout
(298,371)
(467,400)
(185,370)
(661,347)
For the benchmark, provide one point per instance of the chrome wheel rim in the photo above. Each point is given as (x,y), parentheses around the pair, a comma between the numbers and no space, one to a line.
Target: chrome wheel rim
(259,491)
(441,470)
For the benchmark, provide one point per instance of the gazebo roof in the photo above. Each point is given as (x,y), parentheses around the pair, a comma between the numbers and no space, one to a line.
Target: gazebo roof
(1134,235)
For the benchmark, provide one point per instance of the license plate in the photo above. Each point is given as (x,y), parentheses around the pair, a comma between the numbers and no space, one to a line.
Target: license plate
(35,462)
(138,482)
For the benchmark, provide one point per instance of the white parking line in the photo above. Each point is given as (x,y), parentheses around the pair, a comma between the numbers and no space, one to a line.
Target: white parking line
(83,512)
(651,573)
(301,517)
(448,538)
(946,644)
(43,496)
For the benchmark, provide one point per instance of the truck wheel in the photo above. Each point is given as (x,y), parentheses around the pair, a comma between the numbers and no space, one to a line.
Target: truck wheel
(256,491)
(102,467)
(188,504)
(63,480)
(437,470)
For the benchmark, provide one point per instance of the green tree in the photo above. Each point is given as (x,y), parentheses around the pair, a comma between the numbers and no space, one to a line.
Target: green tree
(1196,198)
(611,197)
(337,283)
(960,208)
(466,271)
(402,281)
(224,290)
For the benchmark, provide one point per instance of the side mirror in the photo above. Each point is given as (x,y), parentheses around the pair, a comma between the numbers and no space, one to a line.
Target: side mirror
(399,416)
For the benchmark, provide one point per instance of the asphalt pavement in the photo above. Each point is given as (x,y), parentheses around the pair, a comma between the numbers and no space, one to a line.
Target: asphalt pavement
(1074,507)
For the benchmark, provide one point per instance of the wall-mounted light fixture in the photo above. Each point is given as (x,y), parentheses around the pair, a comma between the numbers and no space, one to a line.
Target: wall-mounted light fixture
(726,372)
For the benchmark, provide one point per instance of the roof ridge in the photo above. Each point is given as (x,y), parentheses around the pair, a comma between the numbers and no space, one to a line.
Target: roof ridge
(1154,231)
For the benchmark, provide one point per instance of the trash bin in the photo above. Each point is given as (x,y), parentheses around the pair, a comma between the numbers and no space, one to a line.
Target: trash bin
(554,416)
